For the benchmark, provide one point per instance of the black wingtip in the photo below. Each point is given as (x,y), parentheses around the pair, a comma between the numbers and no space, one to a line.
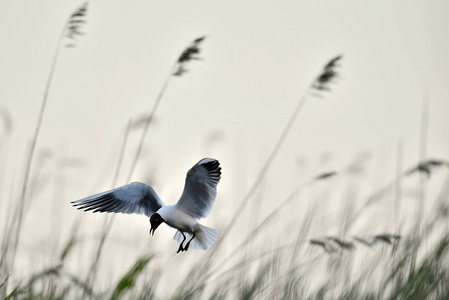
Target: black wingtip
(214,170)
(212,165)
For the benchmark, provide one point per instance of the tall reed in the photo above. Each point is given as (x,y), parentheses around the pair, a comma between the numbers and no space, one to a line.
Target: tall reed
(320,83)
(178,69)
(70,30)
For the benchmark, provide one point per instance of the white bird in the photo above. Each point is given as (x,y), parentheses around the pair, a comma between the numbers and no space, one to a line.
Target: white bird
(197,199)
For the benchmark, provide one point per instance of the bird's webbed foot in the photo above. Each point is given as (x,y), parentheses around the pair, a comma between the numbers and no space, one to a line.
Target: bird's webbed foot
(181,248)
(187,246)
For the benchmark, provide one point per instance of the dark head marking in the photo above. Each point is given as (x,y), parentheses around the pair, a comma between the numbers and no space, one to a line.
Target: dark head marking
(155,221)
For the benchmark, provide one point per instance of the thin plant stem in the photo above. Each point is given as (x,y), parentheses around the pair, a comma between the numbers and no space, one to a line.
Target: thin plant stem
(17,221)
(177,69)
(147,124)
(267,165)
(285,132)
(398,188)
(108,225)
(255,232)
(122,153)
(260,177)
(422,154)
(423,147)
(32,148)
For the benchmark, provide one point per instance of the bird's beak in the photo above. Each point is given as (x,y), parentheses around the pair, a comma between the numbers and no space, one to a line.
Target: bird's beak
(151,231)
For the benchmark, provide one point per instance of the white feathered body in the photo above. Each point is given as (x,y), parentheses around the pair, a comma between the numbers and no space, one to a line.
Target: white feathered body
(178,219)
(205,237)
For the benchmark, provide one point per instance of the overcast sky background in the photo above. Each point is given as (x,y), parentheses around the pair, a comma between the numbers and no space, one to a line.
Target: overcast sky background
(257,61)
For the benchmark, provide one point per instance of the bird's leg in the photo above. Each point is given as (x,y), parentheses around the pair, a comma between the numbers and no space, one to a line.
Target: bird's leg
(188,243)
(181,248)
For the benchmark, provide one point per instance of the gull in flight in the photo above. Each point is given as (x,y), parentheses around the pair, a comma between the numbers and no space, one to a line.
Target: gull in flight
(197,199)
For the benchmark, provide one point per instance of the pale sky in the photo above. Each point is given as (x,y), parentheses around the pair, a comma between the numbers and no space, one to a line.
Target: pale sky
(257,61)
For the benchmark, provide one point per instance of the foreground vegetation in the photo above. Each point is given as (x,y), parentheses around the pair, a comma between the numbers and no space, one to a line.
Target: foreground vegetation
(392,270)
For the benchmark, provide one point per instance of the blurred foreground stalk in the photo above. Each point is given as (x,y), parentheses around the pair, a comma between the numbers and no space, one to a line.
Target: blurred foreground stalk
(10,242)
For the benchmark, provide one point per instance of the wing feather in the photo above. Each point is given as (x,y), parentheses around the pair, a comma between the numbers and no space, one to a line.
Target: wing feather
(200,189)
(133,198)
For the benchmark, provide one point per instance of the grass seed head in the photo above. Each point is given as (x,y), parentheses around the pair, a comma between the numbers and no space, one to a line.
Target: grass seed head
(328,74)
(192,52)
(325,175)
(75,23)
(342,244)
(428,166)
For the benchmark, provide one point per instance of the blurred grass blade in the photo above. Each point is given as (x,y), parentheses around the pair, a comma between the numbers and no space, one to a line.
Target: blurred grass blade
(13,294)
(80,283)
(70,243)
(68,247)
(16,227)
(43,274)
(4,282)
(130,278)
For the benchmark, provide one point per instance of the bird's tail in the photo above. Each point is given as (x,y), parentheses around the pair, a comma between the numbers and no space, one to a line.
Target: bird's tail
(204,238)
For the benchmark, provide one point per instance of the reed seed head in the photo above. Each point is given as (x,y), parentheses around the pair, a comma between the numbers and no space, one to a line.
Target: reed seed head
(428,166)
(328,74)
(192,52)
(76,20)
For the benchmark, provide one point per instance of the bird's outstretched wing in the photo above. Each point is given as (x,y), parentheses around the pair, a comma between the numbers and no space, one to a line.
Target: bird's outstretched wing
(133,198)
(200,189)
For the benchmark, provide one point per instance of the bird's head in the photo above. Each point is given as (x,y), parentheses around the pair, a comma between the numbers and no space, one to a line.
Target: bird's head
(155,221)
